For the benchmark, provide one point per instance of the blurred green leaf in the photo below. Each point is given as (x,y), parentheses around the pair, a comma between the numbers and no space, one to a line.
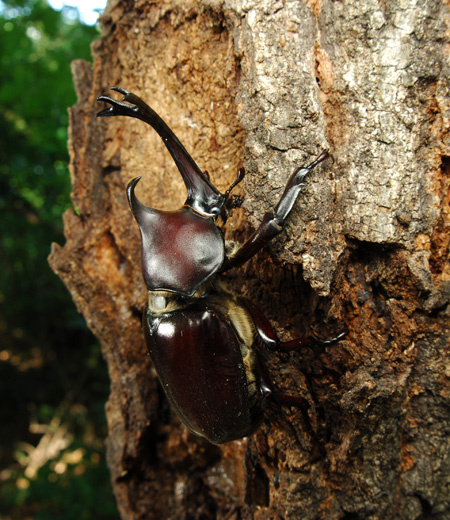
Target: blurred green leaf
(51,368)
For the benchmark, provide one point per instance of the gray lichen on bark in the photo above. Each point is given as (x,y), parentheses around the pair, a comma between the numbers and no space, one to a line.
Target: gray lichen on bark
(371,82)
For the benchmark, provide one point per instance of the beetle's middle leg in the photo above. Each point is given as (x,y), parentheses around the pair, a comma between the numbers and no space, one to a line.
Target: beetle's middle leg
(270,338)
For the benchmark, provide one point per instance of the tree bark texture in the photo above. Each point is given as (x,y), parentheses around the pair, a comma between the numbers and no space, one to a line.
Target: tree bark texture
(270,84)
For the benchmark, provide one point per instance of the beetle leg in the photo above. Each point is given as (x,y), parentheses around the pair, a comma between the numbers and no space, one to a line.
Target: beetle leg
(269,336)
(269,391)
(273,223)
(270,339)
(310,341)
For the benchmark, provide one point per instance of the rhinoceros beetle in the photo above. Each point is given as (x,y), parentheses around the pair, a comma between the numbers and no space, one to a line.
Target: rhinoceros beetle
(201,337)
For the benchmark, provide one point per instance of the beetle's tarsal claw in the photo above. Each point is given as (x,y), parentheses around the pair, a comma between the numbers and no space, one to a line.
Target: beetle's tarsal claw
(332,341)
(324,155)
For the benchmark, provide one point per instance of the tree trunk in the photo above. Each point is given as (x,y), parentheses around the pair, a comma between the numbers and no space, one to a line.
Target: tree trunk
(269,84)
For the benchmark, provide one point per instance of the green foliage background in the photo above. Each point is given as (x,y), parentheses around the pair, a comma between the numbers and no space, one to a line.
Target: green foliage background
(53,380)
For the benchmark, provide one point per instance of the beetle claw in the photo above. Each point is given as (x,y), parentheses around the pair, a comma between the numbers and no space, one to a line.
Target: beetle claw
(332,341)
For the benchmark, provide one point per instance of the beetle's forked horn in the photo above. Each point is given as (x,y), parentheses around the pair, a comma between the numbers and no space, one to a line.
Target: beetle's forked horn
(202,195)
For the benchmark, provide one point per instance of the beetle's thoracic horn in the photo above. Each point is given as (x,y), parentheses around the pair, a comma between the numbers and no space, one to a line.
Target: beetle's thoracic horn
(135,204)
(202,195)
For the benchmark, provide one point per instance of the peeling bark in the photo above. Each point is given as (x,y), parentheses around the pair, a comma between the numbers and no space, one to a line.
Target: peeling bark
(271,83)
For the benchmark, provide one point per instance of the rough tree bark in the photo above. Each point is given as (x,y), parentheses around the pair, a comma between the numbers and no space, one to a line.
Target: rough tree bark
(270,83)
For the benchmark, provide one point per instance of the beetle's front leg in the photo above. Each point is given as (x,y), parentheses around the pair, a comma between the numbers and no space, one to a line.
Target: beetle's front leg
(273,223)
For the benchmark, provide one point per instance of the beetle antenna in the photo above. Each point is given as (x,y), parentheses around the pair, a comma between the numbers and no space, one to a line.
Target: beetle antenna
(239,178)
(235,201)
